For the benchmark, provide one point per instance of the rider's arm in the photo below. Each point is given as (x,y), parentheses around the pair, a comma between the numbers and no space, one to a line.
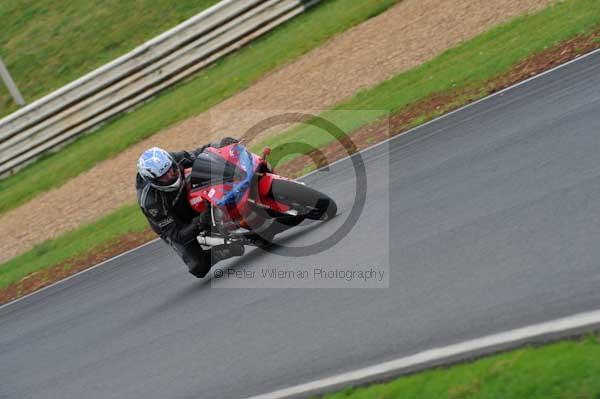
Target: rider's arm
(163,222)
(224,142)
(171,231)
(184,159)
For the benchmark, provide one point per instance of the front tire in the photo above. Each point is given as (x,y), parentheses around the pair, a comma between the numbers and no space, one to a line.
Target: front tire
(309,203)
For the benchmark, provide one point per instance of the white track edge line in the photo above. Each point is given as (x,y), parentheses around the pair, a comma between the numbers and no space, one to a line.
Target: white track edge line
(578,321)
(343,159)
(78,273)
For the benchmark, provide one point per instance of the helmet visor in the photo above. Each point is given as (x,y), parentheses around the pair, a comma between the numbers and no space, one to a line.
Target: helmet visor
(169,177)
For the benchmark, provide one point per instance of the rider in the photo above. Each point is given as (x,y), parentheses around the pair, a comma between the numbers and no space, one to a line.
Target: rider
(162,195)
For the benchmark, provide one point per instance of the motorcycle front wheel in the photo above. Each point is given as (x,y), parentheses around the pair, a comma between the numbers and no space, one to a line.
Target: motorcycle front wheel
(308,202)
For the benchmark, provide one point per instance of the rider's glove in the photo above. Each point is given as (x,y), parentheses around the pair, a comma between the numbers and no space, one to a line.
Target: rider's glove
(225,141)
(202,222)
(191,230)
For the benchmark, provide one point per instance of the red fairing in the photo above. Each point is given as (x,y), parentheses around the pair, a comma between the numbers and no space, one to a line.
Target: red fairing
(199,198)
(264,191)
(231,155)
(195,197)
(264,185)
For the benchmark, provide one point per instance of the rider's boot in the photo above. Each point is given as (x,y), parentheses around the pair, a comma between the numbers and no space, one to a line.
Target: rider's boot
(221,252)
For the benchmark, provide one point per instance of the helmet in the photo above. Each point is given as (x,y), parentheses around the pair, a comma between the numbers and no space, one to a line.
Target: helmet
(157,167)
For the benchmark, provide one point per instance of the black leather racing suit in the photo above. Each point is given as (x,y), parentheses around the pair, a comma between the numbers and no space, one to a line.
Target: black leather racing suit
(172,218)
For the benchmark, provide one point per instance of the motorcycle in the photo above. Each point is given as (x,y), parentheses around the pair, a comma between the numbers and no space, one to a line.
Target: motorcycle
(246,198)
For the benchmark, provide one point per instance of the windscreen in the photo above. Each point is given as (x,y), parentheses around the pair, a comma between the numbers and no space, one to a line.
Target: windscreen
(210,169)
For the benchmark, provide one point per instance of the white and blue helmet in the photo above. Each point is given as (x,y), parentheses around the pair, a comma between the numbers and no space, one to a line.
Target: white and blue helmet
(159,169)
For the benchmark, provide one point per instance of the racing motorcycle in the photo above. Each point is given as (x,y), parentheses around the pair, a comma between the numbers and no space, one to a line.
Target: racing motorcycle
(245,197)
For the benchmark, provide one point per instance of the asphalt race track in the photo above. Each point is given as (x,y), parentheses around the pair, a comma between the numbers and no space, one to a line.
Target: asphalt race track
(486,220)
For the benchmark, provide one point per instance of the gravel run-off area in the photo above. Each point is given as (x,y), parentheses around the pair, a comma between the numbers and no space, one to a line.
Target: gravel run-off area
(403,37)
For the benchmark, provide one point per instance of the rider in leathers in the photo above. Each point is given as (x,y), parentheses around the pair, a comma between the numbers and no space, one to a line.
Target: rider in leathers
(162,195)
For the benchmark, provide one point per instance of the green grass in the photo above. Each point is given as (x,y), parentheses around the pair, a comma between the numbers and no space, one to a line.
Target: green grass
(77,242)
(564,370)
(222,80)
(48,43)
(470,64)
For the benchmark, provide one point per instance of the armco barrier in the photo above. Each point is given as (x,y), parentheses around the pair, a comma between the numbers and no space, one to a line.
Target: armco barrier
(77,107)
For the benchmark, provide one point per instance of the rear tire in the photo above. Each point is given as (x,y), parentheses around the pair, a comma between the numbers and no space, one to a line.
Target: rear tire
(309,202)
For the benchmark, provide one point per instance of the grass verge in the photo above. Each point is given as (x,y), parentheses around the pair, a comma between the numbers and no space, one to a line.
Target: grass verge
(69,250)
(48,43)
(556,34)
(567,369)
(469,68)
(209,87)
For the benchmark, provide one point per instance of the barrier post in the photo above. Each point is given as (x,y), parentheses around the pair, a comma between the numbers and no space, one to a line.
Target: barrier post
(10,84)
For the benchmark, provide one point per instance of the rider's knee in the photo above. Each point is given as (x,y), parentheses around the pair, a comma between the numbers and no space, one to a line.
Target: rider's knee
(198,264)
(199,272)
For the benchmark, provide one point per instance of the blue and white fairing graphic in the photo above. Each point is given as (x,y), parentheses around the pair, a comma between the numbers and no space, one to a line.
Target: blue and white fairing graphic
(246,163)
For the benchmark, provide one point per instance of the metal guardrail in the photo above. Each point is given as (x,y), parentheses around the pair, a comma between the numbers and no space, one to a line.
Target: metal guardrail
(55,119)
